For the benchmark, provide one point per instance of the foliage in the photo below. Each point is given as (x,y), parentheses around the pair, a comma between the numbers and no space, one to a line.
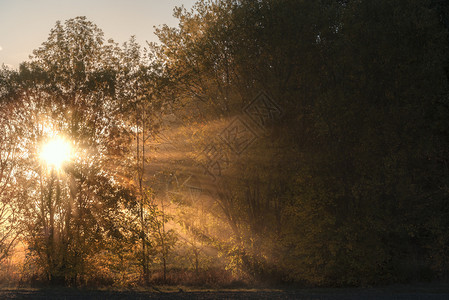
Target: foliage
(354,176)
(343,183)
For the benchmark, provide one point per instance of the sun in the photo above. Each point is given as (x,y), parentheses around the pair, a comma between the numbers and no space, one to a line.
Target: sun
(55,152)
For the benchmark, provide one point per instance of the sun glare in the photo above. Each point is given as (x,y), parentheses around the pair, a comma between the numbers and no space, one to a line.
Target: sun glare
(55,152)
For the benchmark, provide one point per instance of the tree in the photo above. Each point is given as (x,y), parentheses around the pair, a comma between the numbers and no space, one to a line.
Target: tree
(316,132)
(10,168)
(68,91)
(352,146)
(138,89)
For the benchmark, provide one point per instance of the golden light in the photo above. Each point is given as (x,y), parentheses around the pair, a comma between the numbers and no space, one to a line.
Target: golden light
(56,152)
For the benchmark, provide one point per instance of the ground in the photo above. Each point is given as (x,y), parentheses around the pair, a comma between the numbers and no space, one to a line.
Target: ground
(418,291)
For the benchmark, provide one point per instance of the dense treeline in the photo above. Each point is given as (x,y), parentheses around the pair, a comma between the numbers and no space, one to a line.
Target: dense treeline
(267,141)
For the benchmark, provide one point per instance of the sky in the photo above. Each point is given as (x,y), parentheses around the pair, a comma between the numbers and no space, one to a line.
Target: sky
(26,24)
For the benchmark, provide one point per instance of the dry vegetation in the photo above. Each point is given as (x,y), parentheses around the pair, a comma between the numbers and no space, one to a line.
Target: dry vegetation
(272,142)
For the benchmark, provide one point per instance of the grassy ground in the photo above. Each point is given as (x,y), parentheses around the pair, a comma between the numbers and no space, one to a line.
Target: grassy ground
(420,291)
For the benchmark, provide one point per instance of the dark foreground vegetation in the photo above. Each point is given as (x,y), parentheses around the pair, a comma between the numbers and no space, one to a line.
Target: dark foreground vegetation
(260,142)
(396,292)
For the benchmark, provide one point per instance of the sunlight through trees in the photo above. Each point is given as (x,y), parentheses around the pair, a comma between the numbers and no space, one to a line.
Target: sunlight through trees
(55,152)
(268,141)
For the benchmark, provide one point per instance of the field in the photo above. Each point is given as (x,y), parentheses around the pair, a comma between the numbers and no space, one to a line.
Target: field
(421,291)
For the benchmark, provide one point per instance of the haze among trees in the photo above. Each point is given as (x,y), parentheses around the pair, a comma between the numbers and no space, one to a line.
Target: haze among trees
(271,141)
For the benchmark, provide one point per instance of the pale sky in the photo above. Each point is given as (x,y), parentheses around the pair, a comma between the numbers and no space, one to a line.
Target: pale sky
(26,24)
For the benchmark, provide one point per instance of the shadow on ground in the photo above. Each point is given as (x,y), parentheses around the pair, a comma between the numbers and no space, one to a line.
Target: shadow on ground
(422,291)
